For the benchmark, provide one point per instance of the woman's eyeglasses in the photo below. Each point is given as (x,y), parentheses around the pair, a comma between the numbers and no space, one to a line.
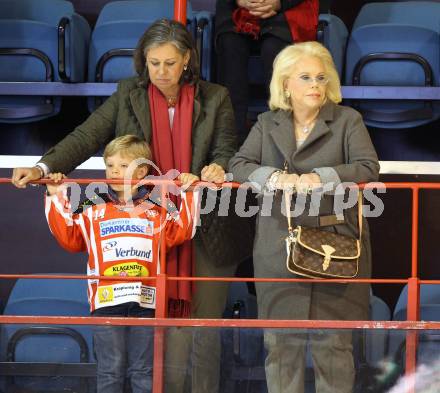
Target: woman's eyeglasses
(308,80)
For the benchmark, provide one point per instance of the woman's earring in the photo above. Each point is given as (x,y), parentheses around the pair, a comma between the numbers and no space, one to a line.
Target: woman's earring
(287,93)
(185,67)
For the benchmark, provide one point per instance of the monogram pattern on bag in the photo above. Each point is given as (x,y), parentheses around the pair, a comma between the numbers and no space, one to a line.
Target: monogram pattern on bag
(313,238)
(309,259)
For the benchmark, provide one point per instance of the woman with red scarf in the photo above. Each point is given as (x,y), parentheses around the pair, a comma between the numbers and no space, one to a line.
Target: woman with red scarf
(245,27)
(190,125)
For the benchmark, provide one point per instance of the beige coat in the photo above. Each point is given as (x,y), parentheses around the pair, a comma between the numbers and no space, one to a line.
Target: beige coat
(339,149)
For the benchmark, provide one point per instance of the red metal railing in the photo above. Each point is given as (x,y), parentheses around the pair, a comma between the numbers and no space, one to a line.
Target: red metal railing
(412,325)
(180,11)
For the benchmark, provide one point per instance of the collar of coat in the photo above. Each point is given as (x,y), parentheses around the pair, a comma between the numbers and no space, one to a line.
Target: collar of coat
(282,132)
(141,108)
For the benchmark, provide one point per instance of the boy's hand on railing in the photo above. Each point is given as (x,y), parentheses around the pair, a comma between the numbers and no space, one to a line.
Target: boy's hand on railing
(22,176)
(53,188)
(187,179)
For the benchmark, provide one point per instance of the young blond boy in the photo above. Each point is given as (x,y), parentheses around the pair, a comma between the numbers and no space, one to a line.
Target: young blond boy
(122,236)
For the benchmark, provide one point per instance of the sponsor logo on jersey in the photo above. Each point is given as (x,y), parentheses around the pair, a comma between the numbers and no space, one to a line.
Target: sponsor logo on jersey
(148,295)
(109,246)
(128,269)
(123,248)
(105,294)
(126,225)
(119,293)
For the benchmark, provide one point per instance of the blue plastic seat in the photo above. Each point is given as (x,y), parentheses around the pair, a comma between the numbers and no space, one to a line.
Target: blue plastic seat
(429,294)
(395,44)
(428,340)
(332,33)
(429,311)
(243,351)
(52,348)
(370,348)
(376,342)
(40,41)
(120,25)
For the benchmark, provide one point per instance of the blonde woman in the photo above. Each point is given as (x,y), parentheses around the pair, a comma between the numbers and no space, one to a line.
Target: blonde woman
(320,143)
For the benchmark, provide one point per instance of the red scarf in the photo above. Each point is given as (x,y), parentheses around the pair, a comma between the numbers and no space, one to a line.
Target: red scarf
(172,150)
(302,20)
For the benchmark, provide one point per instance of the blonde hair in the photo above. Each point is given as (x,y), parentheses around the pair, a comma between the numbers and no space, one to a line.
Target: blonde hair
(128,145)
(282,70)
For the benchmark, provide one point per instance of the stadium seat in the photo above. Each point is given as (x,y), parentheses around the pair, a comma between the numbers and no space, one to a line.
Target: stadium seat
(376,342)
(428,346)
(370,348)
(120,25)
(429,294)
(242,348)
(429,340)
(429,311)
(332,33)
(395,44)
(57,357)
(40,41)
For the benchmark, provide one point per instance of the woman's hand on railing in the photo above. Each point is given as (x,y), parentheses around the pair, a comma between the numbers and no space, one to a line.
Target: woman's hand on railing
(307,182)
(213,173)
(286,181)
(22,176)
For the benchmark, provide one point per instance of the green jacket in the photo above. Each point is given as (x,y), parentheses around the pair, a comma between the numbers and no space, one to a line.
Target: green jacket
(127,112)
(213,140)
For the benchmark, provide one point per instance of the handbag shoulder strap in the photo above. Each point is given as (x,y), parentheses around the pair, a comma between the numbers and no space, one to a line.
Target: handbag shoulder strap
(360,200)
(288,195)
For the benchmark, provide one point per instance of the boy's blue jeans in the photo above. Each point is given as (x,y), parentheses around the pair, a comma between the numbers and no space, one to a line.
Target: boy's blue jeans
(124,351)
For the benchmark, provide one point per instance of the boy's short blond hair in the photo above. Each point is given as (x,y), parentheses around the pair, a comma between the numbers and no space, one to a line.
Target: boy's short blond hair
(128,145)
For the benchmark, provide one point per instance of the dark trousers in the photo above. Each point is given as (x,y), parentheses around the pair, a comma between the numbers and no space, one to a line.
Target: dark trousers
(234,50)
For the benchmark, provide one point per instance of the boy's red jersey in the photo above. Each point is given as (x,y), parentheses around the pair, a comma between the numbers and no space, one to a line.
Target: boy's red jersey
(122,241)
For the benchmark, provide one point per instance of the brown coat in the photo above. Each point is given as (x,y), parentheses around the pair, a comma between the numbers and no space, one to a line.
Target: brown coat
(338,149)
(127,111)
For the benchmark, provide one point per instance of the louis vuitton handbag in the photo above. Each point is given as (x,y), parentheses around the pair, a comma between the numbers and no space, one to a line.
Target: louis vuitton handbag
(314,253)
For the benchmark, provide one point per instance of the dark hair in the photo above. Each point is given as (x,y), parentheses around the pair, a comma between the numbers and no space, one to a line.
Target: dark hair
(161,32)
